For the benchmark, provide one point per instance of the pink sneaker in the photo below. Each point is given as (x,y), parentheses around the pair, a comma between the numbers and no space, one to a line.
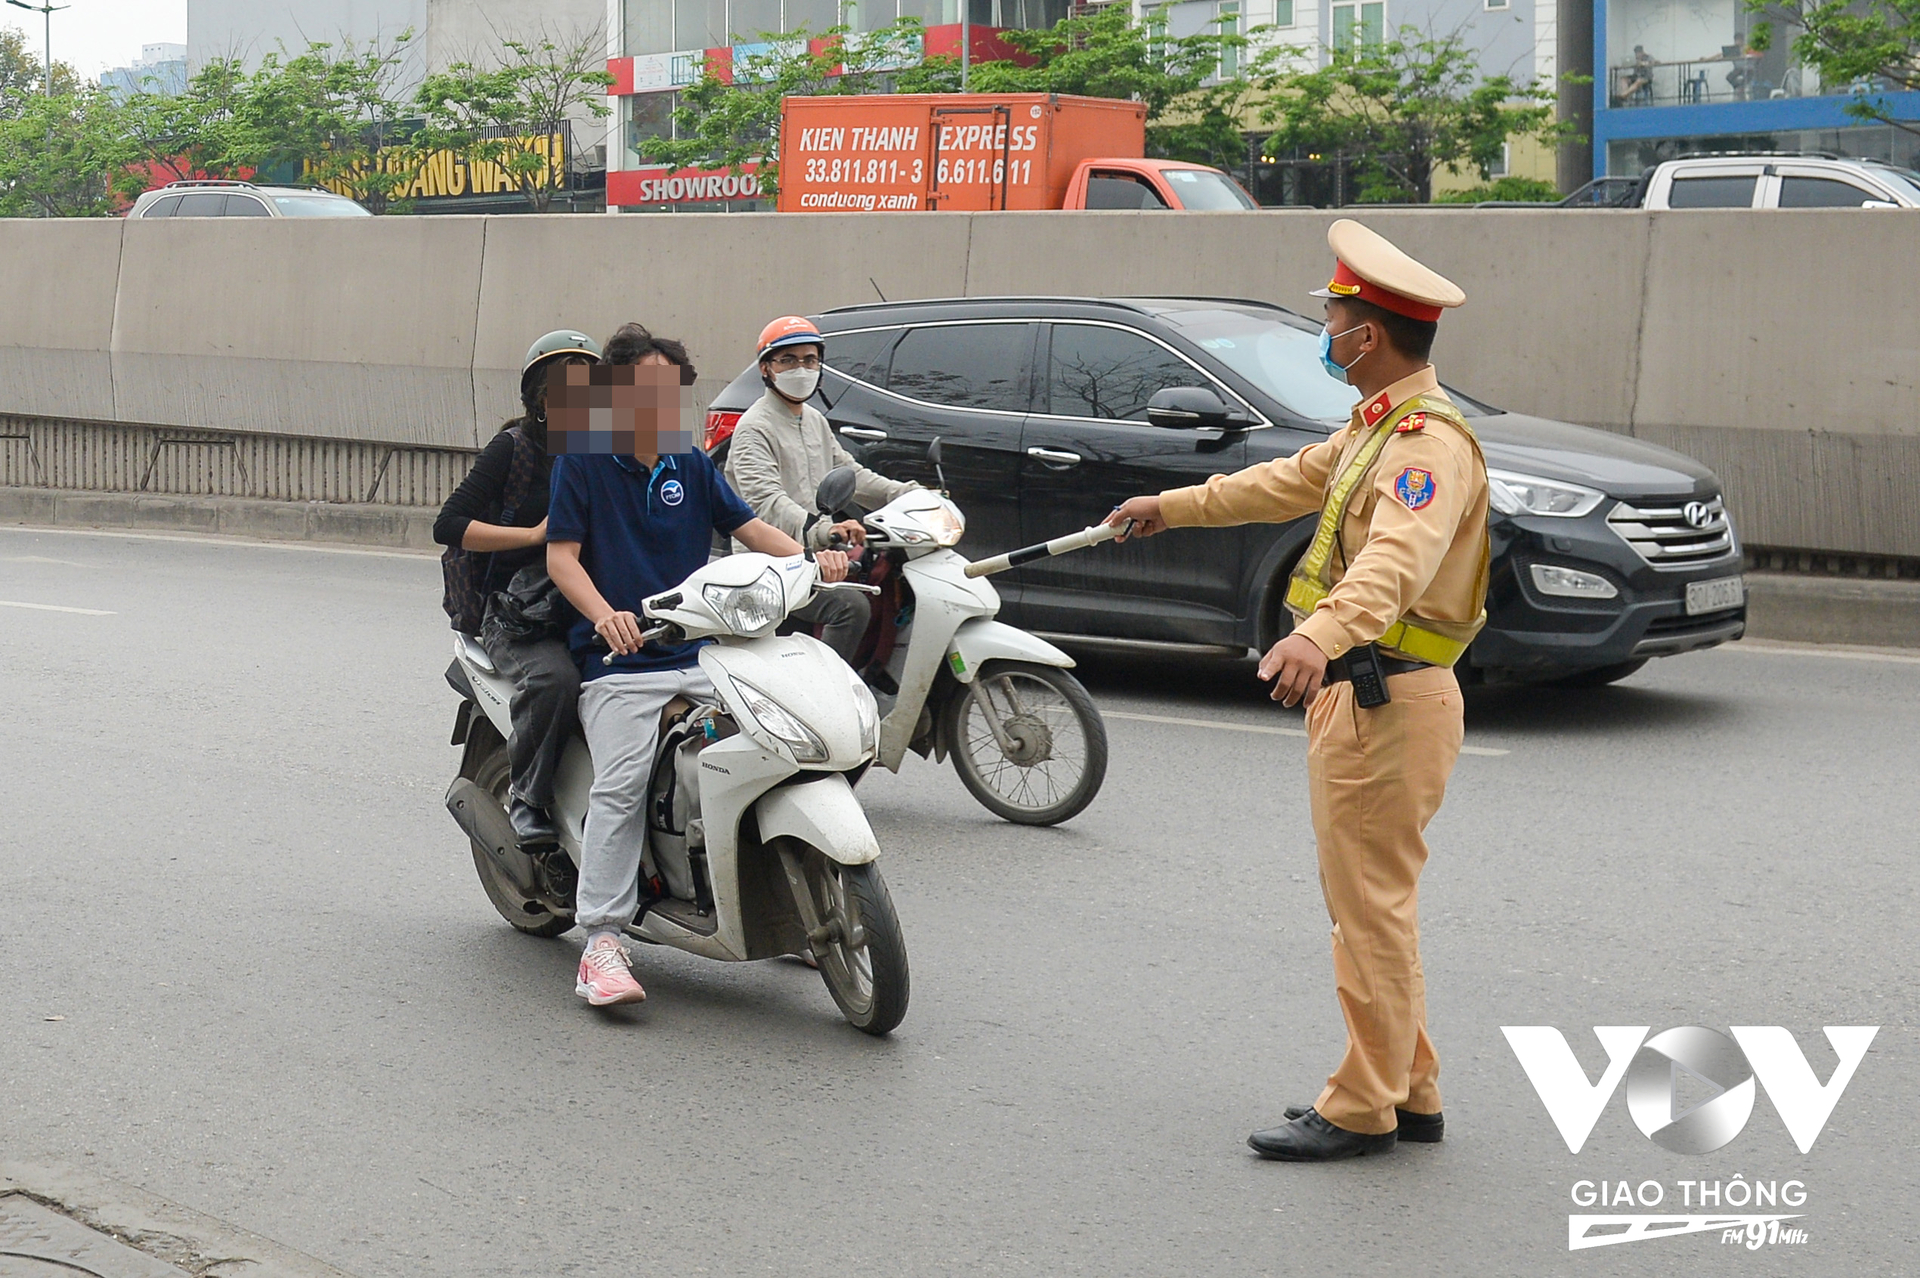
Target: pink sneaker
(604,976)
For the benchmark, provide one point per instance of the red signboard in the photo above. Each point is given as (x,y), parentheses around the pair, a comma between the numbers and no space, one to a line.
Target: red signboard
(665,187)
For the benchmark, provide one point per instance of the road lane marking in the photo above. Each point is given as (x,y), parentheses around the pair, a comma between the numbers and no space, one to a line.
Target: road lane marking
(1254,727)
(1779,649)
(84,612)
(42,530)
(41,559)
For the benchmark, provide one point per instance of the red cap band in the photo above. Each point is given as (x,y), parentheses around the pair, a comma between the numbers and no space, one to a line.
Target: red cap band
(1347,284)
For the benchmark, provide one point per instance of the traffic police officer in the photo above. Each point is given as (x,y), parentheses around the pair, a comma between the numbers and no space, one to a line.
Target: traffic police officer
(1385,599)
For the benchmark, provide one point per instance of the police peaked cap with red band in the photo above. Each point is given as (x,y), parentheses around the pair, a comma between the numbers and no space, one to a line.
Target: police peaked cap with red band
(1368,267)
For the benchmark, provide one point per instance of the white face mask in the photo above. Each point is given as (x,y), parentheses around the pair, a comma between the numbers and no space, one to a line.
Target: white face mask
(797,383)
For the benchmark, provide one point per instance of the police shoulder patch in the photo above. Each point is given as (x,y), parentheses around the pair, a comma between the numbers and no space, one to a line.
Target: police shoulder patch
(1414,488)
(1411,422)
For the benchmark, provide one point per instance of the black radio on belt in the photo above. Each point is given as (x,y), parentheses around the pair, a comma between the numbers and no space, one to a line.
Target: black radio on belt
(1369,680)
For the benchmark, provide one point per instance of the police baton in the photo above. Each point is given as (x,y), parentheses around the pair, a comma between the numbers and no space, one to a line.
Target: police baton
(1058,546)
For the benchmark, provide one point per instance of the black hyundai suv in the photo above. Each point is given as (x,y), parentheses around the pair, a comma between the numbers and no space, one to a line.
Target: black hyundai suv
(1606,551)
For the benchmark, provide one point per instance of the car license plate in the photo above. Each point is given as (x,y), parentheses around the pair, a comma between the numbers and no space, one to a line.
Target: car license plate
(1717,595)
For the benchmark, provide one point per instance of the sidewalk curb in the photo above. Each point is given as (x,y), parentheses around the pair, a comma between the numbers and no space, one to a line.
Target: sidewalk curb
(1859,611)
(409,527)
(200,1244)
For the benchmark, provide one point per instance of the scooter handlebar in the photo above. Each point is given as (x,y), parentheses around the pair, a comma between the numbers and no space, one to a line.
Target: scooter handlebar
(1058,546)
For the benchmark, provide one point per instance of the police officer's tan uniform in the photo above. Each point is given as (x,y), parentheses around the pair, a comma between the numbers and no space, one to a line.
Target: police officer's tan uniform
(1412,549)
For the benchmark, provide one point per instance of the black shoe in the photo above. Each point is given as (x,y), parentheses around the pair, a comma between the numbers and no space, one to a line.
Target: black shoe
(531,825)
(1421,1129)
(1312,1139)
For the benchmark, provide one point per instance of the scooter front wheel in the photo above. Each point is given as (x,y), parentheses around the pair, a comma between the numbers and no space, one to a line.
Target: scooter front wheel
(1028,742)
(854,934)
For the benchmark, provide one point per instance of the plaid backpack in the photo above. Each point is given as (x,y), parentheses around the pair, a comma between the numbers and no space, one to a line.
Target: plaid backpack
(468,574)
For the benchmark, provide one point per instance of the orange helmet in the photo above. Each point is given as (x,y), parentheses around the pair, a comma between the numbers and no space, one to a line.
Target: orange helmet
(790,330)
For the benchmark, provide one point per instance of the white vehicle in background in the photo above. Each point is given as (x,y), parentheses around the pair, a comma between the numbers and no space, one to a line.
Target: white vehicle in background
(223,197)
(756,845)
(1779,182)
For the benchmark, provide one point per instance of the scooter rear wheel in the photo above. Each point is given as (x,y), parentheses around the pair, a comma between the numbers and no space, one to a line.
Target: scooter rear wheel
(1055,756)
(856,938)
(489,768)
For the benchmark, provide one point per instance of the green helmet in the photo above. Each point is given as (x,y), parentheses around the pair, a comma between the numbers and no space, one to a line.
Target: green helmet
(561,341)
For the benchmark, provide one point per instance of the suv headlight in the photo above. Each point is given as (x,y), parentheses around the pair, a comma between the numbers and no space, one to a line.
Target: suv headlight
(867,710)
(806,747)
(1515,494)
(749,609)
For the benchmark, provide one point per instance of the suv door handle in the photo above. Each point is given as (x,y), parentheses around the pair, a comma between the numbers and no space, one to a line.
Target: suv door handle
(1054,456)
(863,433)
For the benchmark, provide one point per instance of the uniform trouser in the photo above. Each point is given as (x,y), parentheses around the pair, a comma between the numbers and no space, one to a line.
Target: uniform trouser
(842,616)
(1377,777)
(546,684)
(621,716)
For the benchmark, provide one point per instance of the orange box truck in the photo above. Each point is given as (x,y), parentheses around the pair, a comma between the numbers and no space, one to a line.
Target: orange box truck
(974,152)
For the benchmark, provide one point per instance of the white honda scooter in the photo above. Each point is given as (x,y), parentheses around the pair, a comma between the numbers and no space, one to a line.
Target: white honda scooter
(1024,735)
(756,845)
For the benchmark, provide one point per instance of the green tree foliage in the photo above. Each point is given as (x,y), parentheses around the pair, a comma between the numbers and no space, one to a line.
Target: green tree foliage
(328,112)
(60,156)
(195,133)
(1399,109)
(730,116)
(504,115)
(1867,46)
(1514,189)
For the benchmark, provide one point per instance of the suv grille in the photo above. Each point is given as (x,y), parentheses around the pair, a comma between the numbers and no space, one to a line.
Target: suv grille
(1664,535)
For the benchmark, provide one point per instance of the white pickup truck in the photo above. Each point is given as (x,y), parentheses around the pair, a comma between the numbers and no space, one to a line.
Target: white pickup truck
(1756,182)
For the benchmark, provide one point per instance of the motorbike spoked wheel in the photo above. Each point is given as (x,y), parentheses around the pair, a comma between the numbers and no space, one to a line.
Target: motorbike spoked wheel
(1055,756)
(492,772)
(854,935)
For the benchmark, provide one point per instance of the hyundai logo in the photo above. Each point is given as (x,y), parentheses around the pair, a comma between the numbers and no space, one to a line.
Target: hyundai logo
(1697,514)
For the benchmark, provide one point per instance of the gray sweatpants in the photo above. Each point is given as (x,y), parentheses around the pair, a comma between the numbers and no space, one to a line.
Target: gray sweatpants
(620,714)
(842,616)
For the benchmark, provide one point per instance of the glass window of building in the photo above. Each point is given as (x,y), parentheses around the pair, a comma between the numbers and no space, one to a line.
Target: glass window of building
(1359,25)
(647,27)
(1672,52)
(1229,26)
(817,15)
(648,115)
(1283,13)
(752,19)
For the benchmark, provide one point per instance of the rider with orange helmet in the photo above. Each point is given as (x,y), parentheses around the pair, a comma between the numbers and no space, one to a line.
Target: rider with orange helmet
(780,452)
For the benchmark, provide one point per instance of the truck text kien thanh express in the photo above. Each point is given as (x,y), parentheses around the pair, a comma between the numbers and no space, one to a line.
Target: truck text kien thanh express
(976,152)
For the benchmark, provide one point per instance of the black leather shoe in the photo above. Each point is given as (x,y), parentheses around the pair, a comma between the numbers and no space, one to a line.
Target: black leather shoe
(1312,1139)
(531,825)
(1421,1129)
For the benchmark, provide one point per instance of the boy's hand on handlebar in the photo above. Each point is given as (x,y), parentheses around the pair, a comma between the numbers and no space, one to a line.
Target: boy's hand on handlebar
(851,531)
(621,630)
(832,564)
(1145,514)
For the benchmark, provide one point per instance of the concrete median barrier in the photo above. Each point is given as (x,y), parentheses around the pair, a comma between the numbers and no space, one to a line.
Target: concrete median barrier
(1781,348)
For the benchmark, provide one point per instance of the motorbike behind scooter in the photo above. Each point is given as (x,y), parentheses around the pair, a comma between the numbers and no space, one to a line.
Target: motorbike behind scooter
(1024,735)
(756,845)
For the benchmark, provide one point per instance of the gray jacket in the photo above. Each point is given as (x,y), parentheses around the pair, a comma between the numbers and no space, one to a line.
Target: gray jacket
(776,461)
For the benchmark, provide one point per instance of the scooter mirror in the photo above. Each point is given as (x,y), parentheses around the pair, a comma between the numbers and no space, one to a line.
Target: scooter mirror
(933,459)
(835,493)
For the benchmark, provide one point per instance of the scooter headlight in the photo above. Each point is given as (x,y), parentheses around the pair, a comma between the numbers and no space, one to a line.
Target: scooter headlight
(867,711)
(795,735)
(943,523)
(748,610)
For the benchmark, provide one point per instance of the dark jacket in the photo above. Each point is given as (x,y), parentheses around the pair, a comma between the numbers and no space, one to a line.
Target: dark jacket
(482,495)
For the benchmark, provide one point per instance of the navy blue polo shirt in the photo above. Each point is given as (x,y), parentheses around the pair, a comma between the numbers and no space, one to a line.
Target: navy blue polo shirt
(640,535)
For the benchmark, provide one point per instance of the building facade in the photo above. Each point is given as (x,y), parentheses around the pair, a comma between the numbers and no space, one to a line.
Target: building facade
(1675,77)
(160,68)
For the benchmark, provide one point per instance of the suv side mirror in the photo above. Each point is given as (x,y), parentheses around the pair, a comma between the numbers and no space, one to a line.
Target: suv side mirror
(835,493)
(1184,407)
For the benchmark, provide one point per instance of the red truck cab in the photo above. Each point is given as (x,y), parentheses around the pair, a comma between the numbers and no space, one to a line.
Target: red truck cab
(1114,183)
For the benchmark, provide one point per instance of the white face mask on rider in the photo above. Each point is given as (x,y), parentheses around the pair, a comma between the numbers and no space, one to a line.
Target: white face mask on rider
(797,383)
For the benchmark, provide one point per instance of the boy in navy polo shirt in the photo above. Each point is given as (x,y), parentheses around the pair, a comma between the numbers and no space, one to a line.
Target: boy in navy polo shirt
(623,526)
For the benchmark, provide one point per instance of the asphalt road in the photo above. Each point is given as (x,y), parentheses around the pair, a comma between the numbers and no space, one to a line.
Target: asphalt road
(246,965)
